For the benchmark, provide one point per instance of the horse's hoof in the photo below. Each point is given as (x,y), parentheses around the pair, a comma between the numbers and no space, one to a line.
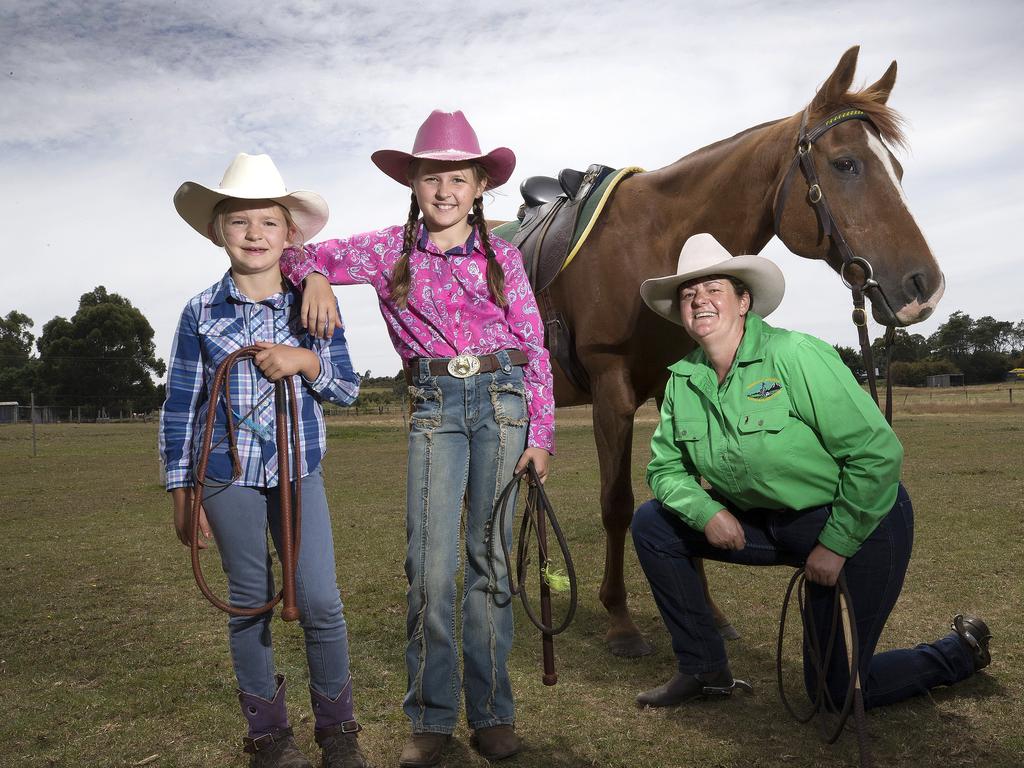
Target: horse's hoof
(728,632)
(630,646)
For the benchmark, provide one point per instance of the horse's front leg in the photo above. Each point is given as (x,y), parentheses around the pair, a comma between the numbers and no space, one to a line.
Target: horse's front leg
(614,408)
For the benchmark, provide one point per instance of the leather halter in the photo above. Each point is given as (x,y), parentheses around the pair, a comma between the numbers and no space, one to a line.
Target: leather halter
(830,227)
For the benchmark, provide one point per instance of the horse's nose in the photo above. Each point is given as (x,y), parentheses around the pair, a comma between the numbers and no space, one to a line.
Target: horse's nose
(916,287)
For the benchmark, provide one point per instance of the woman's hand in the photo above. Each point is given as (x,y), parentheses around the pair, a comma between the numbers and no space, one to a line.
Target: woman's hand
(280,360)
(319,311)
(724,531)
(540,459)
(182,499)
(823,566)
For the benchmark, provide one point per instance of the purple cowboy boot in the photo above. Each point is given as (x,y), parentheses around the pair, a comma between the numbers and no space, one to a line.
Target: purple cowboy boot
(337,730)
(270,740)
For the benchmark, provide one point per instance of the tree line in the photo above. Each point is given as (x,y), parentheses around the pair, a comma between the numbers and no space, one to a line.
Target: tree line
(103,359)
(983,350)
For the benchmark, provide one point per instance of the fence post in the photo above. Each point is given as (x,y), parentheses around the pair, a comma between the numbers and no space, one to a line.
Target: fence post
(32,415)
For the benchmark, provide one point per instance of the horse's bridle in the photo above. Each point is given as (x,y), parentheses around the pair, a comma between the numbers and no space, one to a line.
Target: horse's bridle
(830,227)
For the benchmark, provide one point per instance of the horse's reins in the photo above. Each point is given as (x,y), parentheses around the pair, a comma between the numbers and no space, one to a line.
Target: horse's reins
(821,701)
(291,513)
(537,508)
(830,227)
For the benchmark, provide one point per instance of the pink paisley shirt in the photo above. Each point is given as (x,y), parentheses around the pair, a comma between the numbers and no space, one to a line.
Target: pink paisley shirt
(449,310)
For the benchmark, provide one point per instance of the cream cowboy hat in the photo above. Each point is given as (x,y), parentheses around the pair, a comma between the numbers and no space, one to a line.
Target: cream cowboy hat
(250,177)
(703,256)
(446,136)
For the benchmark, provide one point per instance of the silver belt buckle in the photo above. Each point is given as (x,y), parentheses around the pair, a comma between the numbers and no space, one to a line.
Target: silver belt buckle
(464,366)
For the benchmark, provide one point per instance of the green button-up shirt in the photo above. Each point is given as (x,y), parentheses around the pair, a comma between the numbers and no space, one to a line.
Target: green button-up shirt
(789,428)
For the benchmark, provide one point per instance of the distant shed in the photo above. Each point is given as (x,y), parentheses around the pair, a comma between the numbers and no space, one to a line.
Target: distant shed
(946,380)
(9,412)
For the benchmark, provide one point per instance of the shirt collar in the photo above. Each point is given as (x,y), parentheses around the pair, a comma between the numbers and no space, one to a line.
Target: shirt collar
(471,244)
(226,291)
(750,349)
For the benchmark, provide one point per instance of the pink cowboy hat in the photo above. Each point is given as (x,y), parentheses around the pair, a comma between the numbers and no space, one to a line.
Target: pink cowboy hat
(446,136)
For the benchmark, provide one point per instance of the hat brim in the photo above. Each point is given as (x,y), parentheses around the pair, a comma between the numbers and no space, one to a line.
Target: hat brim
(763,277)
(195,204)
(499,163)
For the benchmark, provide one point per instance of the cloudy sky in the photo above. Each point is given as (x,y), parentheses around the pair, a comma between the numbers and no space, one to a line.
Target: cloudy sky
(106,107)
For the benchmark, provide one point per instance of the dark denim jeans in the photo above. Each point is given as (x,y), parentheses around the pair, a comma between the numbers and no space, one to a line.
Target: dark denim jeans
(666,545)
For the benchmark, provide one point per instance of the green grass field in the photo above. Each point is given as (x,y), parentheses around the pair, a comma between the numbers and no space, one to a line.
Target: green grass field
(109,656)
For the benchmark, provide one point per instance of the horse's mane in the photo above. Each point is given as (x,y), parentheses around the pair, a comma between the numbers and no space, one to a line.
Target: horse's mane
(887,120)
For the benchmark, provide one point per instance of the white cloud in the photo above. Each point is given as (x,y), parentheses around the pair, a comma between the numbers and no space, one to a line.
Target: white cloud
(106,107)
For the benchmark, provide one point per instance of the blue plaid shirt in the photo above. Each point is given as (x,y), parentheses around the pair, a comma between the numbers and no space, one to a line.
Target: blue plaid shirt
(214,324)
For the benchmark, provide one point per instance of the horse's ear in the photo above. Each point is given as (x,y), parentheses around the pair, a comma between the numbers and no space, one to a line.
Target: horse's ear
(880,91)
(838,83)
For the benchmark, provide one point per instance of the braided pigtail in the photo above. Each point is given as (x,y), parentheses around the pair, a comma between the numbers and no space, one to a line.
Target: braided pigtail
(495,274)
(400,277)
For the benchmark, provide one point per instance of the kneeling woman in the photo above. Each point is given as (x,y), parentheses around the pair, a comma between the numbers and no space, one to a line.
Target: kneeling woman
(803,469)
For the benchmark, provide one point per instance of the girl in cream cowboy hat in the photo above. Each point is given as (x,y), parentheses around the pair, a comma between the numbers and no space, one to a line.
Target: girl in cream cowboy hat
(463,319)
(804,470)
(254,217)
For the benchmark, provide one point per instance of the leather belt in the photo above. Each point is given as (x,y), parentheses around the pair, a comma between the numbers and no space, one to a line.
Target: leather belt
(464,366)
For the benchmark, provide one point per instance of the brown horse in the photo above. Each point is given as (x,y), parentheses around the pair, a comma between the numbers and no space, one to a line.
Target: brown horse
(731,189)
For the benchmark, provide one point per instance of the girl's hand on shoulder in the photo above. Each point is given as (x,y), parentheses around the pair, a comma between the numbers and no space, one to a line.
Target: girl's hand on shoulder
(319,310)
(724,531)
(823,566)
(182,500)
(278,361)
(540,459)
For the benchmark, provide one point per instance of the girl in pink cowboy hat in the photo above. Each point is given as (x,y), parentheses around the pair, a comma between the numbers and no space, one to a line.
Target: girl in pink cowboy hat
(462,316)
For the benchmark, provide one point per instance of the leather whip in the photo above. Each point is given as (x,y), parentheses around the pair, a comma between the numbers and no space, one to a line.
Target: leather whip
(291,513)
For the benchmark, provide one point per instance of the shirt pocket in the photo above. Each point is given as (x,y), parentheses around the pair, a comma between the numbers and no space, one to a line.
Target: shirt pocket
(764,443)
(222,336)
(689,429)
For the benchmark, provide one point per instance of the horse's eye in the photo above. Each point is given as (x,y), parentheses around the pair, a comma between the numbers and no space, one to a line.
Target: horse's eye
(845,165)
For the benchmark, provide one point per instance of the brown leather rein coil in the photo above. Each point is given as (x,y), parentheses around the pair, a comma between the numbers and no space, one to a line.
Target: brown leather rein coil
(537,510)
(291,514)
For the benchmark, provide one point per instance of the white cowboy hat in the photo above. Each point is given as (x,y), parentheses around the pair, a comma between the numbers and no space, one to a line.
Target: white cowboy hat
(250,177)
(703,256)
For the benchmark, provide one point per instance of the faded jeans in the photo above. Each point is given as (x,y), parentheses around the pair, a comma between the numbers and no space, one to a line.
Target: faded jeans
(465,438)
(238,516)
(666,545)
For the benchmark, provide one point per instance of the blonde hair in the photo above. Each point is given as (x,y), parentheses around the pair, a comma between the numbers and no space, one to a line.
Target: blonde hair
(401,278)
(220,209)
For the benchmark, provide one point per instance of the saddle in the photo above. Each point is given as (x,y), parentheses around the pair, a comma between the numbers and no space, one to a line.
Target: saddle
(553,222)
(548,218)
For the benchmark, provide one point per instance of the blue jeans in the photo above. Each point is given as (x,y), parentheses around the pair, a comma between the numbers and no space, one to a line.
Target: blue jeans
(666,545)
(465,438)
(239,518)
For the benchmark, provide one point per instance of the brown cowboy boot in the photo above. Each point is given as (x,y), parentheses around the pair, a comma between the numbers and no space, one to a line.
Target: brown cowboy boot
(496,742)
(973,632)
(270,740)
(683,688)
(423,750)
(336,730)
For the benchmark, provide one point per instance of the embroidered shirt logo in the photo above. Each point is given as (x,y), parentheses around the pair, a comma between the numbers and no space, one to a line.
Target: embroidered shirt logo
(765,389)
